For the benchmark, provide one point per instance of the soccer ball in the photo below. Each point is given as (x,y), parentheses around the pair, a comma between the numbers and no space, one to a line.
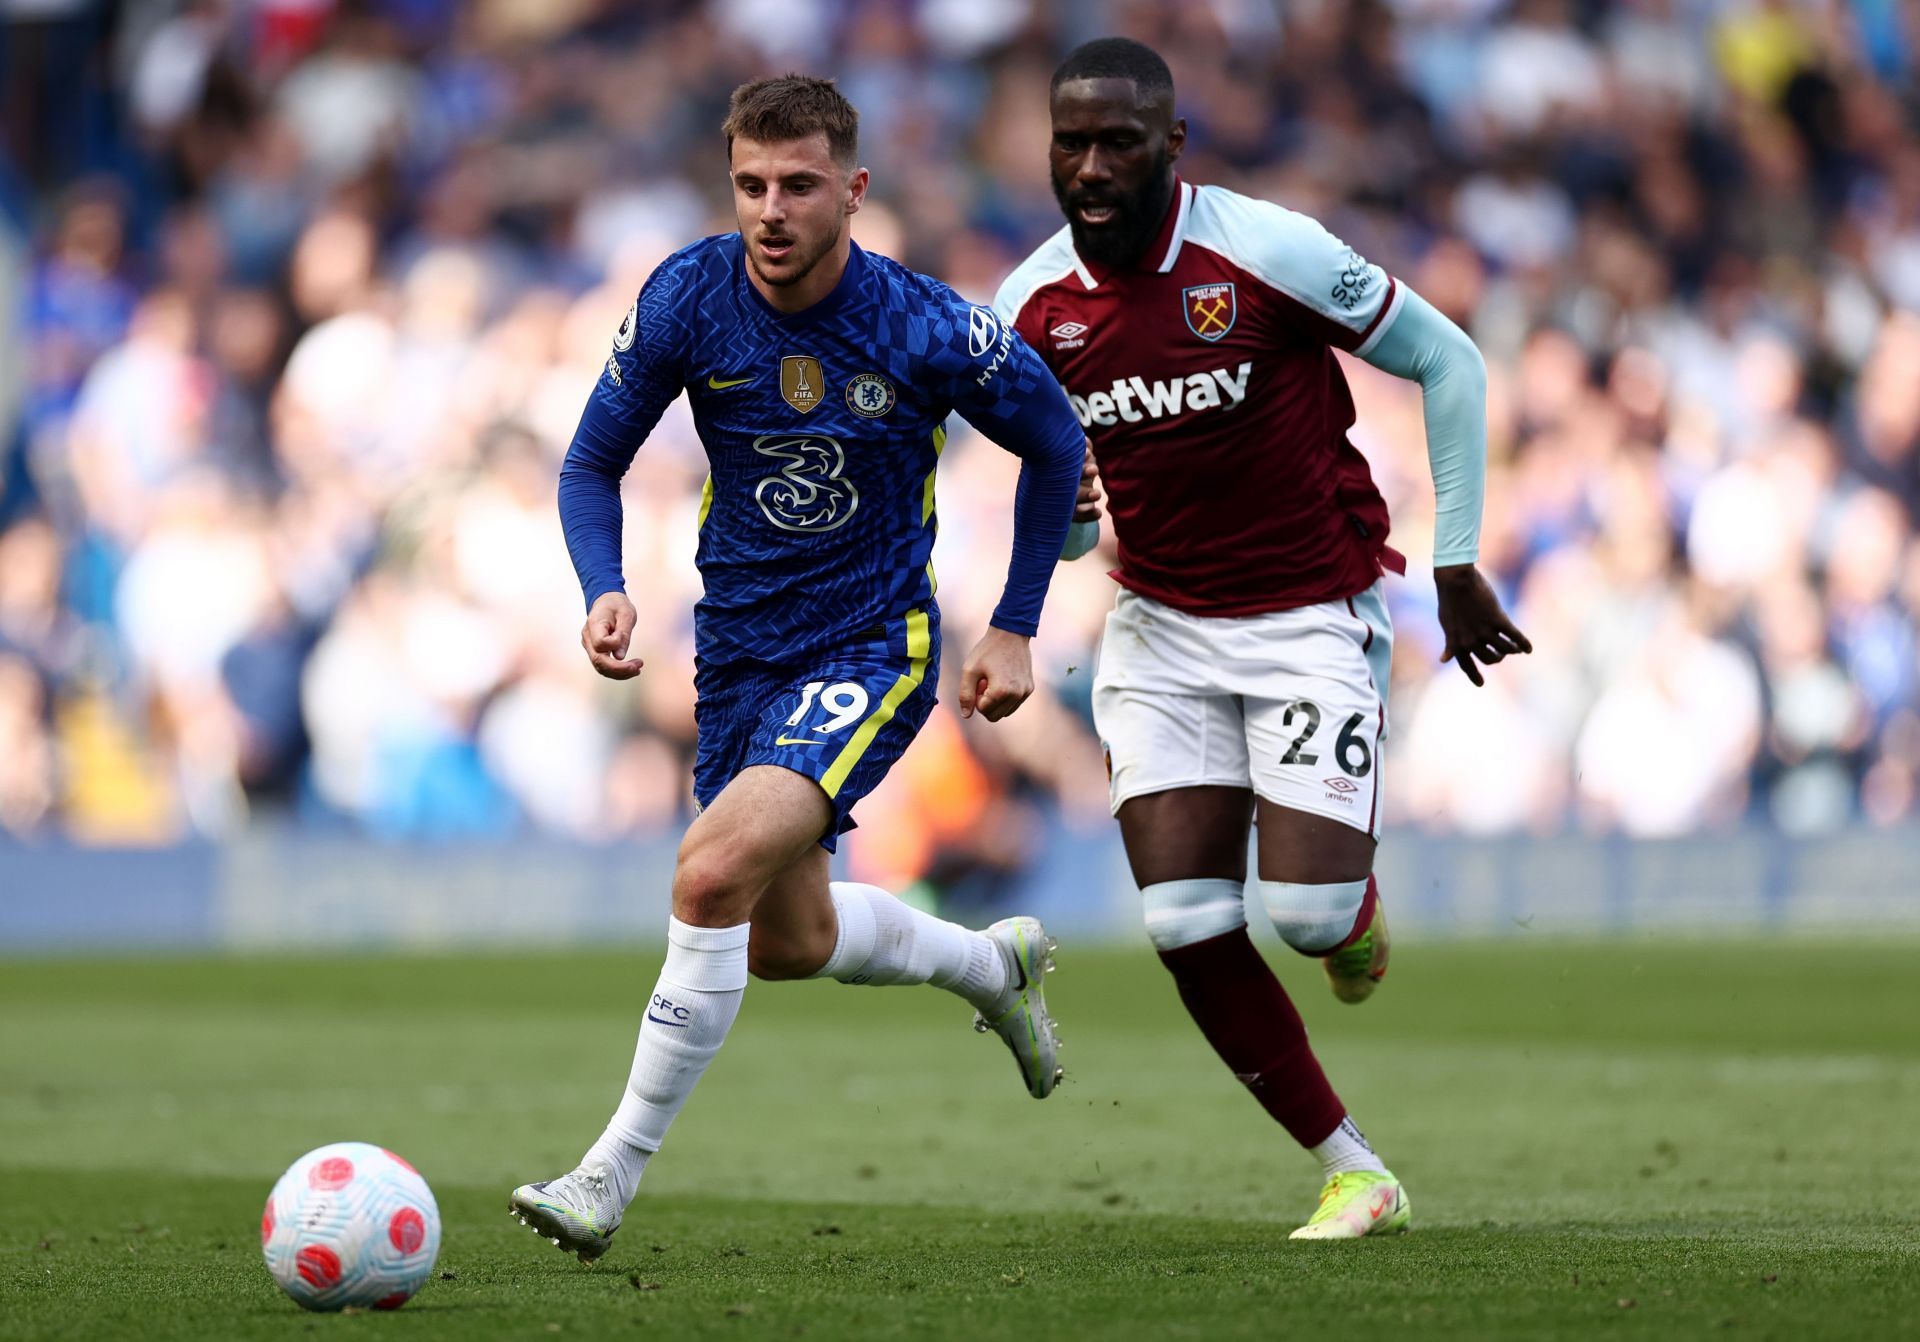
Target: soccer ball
(350,1224)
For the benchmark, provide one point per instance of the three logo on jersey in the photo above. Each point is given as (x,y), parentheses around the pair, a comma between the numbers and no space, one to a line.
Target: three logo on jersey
(809,494)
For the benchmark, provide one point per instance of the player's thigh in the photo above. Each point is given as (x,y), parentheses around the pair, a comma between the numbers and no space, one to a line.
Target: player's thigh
(1306,848)
(728,703)
(1176,771)
(1316,723)
(763,821)
(1316,769)
(847,716)
(1187,834)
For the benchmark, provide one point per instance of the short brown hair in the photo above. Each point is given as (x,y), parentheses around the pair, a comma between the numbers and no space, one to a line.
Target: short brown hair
(792,107)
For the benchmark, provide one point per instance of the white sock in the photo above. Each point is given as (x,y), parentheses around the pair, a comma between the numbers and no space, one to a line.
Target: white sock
(1313,919)
(688,1016)
(884,941)
(1346,1151)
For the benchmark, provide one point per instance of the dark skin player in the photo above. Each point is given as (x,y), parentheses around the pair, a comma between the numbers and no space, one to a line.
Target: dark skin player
(1112,158)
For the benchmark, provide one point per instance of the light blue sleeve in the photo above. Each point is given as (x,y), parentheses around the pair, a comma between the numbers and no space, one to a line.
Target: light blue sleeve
(1081,537)
(1423,346)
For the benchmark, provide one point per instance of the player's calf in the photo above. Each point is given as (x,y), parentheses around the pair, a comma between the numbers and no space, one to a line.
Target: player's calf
(791,941)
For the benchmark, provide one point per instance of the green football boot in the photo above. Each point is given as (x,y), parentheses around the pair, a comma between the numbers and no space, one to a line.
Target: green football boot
(1020,1016)
(1354,971)
(1358,1203)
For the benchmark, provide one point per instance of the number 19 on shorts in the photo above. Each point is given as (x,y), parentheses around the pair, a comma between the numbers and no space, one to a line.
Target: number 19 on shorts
(844,703)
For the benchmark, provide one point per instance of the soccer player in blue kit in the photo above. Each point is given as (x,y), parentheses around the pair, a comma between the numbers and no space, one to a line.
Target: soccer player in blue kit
(820,378)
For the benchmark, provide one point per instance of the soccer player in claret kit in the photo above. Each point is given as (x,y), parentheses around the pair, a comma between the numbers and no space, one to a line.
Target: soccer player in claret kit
(820,378)
(1243,671)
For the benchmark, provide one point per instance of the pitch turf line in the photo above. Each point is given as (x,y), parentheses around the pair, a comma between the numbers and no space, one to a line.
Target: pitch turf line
(1645,1119)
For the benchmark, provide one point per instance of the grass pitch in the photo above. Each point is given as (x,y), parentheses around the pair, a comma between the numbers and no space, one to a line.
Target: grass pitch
(1628,1140)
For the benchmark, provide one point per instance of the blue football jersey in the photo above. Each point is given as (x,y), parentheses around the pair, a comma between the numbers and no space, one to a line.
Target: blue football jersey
(823,430)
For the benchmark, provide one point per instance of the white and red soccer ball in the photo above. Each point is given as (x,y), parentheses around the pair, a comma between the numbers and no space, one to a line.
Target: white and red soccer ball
(350,1224)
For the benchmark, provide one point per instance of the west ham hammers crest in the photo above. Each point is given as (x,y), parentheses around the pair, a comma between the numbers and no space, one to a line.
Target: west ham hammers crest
(1210,309)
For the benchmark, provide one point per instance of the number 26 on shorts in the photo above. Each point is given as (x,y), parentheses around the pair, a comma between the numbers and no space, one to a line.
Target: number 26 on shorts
(1351,751)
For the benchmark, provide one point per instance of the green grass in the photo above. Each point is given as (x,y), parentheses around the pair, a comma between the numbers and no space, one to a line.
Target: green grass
(1621,1140)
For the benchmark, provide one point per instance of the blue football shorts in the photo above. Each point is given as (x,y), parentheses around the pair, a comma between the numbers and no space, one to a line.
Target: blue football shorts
(841,718)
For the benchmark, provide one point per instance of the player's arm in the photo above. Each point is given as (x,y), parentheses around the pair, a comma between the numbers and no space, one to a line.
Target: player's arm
(1084,533)
(1355,306)
(1011,397)
(1420,344)
(640,380)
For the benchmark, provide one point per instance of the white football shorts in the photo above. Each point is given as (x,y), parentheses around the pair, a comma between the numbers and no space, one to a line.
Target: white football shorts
(1292,704)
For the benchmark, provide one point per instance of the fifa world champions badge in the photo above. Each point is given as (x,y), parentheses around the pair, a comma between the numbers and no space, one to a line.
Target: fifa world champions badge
(870,396)
(801,381)
(1210,309)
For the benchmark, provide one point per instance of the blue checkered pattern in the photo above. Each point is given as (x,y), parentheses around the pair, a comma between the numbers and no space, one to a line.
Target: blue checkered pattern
(819,522)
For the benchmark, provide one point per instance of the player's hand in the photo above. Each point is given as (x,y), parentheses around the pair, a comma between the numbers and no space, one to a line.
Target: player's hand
(608,630)
(1086,504)
(1475,626)
(997,676)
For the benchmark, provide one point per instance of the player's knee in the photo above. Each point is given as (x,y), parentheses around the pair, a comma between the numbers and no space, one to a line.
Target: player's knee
(1314,919)
(712,884)
(1184,913)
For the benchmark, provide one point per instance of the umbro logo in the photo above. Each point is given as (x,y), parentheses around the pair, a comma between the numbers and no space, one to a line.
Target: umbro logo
(1340,785)
(1069,335)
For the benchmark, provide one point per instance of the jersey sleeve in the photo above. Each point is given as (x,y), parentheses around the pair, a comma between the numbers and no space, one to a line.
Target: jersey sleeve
(1427,348)
(1014,306)
(1011,302)
(998,384)
(1335,293)
(642,376)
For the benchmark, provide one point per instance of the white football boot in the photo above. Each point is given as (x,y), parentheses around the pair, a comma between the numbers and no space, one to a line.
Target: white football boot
(1020,1016)
(578,1212)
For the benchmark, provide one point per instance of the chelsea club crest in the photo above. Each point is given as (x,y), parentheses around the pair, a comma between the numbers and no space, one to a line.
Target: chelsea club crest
(870,396)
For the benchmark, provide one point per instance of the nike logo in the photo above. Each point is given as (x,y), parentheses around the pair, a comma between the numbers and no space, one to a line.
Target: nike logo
(798,741)
(716,384)
(662,1020)
(1021,970)
(1384,1201)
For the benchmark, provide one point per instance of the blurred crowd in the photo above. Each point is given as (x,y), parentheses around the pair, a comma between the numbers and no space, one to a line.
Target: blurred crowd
(308,295)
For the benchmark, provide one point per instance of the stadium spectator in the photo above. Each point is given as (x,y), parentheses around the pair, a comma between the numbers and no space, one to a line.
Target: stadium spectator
(310,317)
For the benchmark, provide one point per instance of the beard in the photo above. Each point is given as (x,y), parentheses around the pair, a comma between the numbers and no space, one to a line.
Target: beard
(1137,215)
(797,264)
